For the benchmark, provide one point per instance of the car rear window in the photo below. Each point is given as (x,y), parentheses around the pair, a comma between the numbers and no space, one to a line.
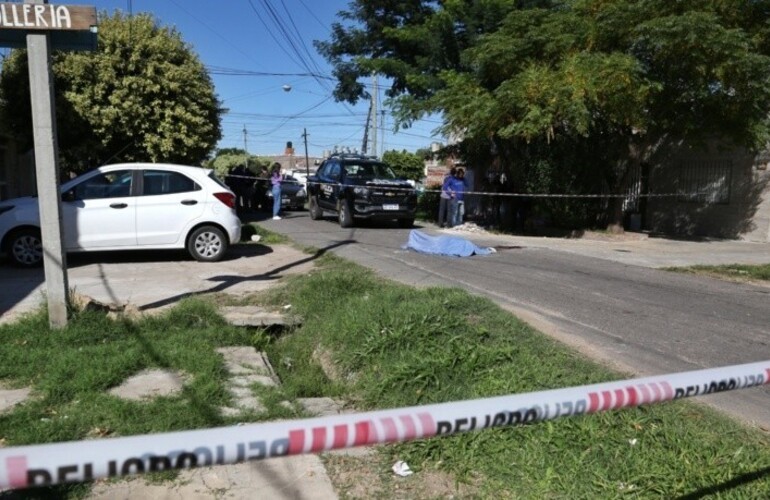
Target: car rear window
(214,178)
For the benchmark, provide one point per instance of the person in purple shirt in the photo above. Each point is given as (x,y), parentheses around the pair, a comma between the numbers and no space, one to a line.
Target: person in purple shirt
(275,182)
(456,203)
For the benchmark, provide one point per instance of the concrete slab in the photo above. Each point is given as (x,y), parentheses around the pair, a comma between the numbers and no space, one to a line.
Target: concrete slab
(9,398)
(256,316)
(302,477)
(244,360)
(150,384)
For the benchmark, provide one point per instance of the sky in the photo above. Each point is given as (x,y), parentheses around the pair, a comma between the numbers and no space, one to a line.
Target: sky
(250,48)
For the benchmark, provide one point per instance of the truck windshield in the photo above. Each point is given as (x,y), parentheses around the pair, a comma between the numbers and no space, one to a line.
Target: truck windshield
(369,171)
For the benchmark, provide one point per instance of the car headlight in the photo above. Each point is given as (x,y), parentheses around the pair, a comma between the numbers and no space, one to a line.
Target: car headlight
(361,191)
(301,193)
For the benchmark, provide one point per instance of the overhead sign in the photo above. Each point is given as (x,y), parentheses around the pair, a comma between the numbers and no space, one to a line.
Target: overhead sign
(60,40)
(26,16)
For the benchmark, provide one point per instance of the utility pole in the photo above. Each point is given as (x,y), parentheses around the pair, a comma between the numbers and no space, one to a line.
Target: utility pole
(245,148)
(374,114)
(41,85)
(382,127)
(307,160)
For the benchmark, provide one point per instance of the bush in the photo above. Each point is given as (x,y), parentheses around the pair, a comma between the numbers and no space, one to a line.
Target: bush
(427,203)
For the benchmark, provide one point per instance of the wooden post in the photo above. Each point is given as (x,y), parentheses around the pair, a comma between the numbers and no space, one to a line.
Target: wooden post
(47,167)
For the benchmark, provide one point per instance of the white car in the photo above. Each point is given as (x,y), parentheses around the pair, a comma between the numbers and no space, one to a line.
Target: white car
(301,175)
(130,206)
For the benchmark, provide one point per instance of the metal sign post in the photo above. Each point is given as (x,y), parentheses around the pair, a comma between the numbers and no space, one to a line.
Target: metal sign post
(37,18)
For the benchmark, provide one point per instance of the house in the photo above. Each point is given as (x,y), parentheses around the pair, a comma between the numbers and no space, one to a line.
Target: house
(710,191)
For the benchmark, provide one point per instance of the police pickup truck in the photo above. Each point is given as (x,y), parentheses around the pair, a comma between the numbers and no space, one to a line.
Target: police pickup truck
(360,187)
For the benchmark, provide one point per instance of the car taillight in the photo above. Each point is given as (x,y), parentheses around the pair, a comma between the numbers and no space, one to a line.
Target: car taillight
(226,198)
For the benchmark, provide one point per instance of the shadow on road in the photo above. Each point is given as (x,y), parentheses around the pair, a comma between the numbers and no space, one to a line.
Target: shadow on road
(726,486)
(228,280)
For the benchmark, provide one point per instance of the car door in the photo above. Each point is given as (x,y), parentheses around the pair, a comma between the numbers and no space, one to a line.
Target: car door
(330,179)
(169,202)
(100,212)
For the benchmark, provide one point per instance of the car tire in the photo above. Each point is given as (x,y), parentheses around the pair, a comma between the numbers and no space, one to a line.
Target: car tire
(406,223)
(345,214)
(207,244)
(25,248)
(316,213)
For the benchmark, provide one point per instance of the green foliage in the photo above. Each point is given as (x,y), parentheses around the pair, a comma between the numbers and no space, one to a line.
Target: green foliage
(393,346)
(228,159)
(759,272)
(142,96)
(428,203)
(615,81)
(405,164)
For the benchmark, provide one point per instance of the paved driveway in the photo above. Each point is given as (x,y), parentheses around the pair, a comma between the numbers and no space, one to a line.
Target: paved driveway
(151,280)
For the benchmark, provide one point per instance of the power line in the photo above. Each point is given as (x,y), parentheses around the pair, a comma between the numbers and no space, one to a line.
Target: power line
(222,37)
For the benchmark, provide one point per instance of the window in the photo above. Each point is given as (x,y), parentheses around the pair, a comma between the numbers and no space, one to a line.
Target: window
(105,185)
(334,171)
(165,182)
(706,181)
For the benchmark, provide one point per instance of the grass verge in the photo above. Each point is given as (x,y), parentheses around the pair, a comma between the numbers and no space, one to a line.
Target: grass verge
(732,272)
(380,345)
(394,346)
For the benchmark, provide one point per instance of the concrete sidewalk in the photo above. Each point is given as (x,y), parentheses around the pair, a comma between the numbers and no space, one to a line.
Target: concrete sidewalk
(637,249)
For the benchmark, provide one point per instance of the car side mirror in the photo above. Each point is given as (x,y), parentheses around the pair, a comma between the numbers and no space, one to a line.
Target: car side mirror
(68,195)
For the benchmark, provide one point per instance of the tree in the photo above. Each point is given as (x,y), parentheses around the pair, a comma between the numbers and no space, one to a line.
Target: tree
(568,82)
(405,164)
(143,95)
(229,158)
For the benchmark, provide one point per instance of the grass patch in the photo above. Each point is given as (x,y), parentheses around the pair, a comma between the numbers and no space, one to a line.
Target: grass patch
(387,345)
(398,346)
(72,369)
(267,237)
(732,272)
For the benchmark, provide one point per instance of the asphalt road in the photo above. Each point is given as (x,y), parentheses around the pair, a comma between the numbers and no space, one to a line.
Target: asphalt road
(632,317)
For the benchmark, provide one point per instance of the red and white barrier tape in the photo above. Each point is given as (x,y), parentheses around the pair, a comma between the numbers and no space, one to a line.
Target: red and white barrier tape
(49,464)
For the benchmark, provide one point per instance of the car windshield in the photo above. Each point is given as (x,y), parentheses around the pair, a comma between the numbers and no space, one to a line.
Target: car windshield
(369,171)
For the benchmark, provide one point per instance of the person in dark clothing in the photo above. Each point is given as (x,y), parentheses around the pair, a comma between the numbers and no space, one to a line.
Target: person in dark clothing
(444,198)
(260,189)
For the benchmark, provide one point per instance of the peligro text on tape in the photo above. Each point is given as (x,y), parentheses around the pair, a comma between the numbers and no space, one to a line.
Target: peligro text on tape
(49,464)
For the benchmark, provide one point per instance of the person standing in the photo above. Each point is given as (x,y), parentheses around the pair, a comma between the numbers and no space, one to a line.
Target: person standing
(260,189)
(275,183)
(444,199)
(457,201)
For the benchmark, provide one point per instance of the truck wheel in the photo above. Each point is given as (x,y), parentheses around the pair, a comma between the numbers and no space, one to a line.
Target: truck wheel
(207,244)
(345,214)
(25,248)
(316,213)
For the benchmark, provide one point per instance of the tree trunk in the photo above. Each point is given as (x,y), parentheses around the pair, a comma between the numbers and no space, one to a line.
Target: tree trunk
(615,222)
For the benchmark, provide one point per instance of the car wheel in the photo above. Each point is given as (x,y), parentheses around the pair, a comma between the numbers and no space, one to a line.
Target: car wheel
(25,247)
(316,212)
(207,244)
(345,215)
(406,223)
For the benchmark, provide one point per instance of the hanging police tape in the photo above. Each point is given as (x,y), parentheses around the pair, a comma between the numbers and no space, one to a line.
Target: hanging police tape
(509,195)
(57,463)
